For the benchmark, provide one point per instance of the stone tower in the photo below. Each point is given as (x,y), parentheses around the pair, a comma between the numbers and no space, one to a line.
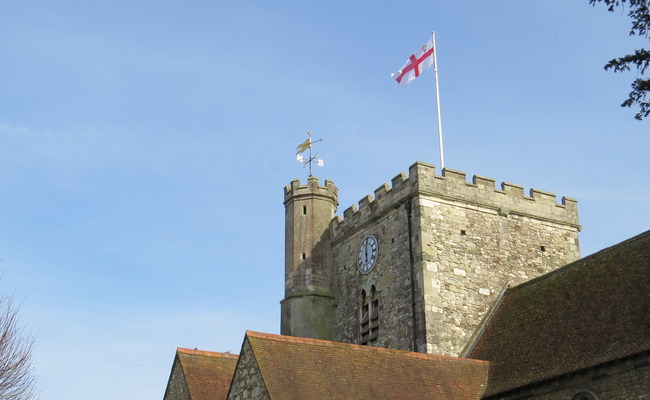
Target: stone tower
(419,265)
(308,305)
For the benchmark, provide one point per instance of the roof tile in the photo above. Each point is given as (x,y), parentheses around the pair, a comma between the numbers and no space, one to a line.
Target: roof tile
(207,374)
(298,368)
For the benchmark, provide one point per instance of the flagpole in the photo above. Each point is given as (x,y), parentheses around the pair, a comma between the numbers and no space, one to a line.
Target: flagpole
(435,69)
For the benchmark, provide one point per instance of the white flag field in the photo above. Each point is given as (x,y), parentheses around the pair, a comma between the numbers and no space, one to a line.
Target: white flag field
(415,65)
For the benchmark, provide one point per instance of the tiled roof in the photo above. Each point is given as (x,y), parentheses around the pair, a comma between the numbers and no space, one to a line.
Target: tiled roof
(297,368)
(207,374)
(589,312)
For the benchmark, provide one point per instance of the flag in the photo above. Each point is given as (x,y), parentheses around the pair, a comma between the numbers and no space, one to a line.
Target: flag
(415,65)
(303,146)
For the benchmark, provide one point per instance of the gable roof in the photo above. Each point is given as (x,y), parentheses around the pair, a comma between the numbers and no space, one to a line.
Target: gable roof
(587,313)
(207,374)
(297,368)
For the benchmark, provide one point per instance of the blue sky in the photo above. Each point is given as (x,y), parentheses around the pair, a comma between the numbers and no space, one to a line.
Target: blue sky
(144,147)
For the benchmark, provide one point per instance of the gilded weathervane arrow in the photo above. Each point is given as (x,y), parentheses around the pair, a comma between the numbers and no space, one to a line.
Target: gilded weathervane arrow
(303,147)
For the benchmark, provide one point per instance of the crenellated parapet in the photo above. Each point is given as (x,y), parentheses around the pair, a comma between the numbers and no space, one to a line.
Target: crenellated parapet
(312,188)
(452,186)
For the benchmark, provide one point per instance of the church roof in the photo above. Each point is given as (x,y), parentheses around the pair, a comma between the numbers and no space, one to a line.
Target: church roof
(207,374)
(297,368)
(587,313)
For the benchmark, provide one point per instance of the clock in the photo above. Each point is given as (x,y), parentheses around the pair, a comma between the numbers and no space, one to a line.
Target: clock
(367,254)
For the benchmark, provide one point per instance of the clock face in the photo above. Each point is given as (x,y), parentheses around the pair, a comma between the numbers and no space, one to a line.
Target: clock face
(367,254)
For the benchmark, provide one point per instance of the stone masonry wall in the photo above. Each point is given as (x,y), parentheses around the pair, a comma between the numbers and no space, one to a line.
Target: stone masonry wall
(469,240)
(390,276)
(247,382)
(628,385)
(177,387)
(475,240)
(468,255)
(625,380)
(308,212)
(306,310)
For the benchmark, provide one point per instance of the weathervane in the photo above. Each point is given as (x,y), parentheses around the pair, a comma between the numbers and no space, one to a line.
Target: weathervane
(303,147)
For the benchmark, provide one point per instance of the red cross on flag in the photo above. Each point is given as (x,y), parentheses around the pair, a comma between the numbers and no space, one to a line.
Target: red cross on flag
(415,65)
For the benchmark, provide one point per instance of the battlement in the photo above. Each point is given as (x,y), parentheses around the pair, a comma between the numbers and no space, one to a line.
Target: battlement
(312,188)
(452,186)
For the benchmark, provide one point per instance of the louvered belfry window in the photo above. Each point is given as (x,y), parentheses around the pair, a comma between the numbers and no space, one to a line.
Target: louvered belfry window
(369,322)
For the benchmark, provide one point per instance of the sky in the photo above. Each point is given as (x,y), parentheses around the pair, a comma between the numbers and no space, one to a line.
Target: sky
(144,147)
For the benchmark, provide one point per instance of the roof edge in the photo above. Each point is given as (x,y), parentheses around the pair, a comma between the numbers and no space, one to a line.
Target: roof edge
(182,350)
(381,350)
(478,333)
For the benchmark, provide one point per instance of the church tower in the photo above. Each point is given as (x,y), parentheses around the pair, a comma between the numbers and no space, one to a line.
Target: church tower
(418,265)
(308,305)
